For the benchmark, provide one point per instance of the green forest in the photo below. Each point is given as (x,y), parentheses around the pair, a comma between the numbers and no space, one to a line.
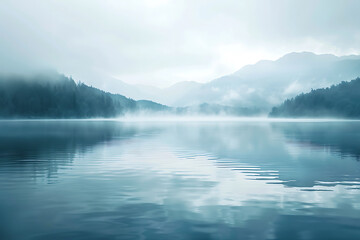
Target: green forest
(340,101)
(57,96)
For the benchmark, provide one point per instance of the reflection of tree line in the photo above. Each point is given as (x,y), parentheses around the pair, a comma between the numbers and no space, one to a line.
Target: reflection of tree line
(44,146)
(266,146)
(340,137)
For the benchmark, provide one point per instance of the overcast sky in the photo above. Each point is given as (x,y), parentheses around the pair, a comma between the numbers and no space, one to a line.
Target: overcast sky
(161,42)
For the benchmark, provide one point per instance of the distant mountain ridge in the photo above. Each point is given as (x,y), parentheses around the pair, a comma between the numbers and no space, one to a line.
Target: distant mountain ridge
(264,84)
(168,96)
(340,101)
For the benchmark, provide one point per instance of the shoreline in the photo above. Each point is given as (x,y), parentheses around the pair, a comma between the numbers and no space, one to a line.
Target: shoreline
(183,119)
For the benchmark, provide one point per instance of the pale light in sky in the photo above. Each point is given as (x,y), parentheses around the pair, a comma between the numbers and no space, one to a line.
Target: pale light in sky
(161,42)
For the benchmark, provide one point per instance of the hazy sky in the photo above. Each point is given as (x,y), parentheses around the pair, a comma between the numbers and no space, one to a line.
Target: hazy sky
(160,42)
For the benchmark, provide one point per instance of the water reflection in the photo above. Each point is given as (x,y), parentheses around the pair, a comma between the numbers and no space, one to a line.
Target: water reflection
(41,147)
(338,137)
(219,180)
(298,154)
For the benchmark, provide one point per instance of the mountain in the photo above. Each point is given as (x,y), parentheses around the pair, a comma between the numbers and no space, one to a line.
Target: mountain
(264,84)
(51,95)
(252,90)
(171,96)
(342,100)
(268,83)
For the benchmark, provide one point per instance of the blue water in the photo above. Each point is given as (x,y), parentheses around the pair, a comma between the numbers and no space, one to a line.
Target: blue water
(173,180)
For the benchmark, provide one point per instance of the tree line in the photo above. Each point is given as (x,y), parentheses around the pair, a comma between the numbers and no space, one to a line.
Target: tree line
(57,96)
(342,100)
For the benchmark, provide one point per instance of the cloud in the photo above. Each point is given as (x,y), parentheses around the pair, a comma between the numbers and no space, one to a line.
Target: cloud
(294,88)
(162,42)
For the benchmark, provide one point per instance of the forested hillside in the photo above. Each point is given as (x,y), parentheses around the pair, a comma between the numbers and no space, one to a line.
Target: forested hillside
(56,96)
(342,100)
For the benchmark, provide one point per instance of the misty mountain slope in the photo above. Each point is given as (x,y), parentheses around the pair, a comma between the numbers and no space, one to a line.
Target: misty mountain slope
(264,84)
(268,83)
(342,100)
(171,96)
(114,85)
(51,95)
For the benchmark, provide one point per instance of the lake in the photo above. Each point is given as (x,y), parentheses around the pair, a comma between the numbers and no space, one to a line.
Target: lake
(179,180)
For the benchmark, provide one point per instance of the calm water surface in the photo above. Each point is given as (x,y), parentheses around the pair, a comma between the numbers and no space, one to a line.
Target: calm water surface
(192,180)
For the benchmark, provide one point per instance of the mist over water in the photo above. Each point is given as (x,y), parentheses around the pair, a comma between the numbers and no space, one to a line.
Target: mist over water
(179,120)
(191,180)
